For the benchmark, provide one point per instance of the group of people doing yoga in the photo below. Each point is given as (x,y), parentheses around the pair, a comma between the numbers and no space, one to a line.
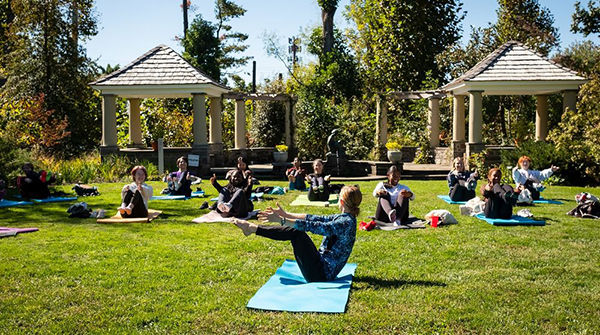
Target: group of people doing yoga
(338,230)
(499,198)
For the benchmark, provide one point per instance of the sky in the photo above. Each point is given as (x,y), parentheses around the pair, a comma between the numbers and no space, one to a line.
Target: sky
(128,29)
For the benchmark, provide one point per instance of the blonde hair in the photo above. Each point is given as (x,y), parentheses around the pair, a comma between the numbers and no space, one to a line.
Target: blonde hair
(352,198)
(456,160)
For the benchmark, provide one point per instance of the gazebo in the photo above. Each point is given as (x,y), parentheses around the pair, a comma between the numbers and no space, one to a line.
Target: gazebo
(512,69)
(163,73)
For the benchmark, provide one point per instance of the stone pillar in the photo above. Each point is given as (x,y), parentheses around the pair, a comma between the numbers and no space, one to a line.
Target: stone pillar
(200,144)
(458,126)
(381,126)
(288,121)
(240,124)
(475,119)
(433,122)
(109,121)
(570,100)
(541,118)
(135,124)
(199,125)
(216,130)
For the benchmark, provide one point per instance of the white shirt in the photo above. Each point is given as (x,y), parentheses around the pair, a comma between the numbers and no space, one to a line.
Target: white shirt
(520,176)
(394,191)
(146,191)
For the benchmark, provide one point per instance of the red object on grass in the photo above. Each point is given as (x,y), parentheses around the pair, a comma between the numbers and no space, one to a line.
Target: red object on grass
(434,221)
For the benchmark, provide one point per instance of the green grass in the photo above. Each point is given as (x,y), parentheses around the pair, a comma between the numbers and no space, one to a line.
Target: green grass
(76,276)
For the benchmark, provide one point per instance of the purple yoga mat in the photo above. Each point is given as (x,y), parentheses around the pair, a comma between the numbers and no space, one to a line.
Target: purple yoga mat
(7,231)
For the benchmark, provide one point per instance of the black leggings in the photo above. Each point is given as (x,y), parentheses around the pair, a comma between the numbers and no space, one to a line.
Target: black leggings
(535,194)
(314,193)
(139,209)
(307,256)
(240,205)
(500,204)
(384,207)
(461,193)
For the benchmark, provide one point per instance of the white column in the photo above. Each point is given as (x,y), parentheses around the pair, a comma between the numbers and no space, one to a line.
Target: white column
(199,125)
(570,100)
(216,130)
(288,117)
(475,117)
(541,118)
(458,118)
(109,120)
(135,124)
(240,124)
(381,126)
(433,122)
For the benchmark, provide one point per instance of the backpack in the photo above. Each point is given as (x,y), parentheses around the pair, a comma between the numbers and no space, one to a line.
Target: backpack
(79,210)
(84,190)
(589,209)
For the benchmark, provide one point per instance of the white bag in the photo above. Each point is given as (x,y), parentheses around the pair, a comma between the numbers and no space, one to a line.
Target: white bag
(445,216)
(472,207)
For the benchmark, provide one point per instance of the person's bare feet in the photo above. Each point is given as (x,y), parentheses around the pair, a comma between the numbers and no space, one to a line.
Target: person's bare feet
(121,209)
(246,227)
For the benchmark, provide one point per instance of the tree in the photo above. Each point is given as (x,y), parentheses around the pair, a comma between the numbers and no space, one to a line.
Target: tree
(6,18)
(202,48)
(328,8)
(232,42)
(586,21)
(46,58)
(397,41)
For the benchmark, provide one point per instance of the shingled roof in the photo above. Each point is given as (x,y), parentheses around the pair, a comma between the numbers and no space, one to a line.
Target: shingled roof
(513,63)
(159,67)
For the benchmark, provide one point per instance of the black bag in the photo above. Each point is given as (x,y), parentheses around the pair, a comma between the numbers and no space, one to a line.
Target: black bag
(79,210)
(588,209)
(85,191)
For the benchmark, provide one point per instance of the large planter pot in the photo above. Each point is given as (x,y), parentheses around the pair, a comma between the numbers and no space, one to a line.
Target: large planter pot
(394,156)
(280,157)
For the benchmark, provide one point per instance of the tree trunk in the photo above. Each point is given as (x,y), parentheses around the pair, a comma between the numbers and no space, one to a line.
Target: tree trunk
(327,18)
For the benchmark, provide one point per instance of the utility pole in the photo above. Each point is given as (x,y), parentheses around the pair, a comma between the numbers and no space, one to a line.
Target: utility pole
(184,6)
(293,49)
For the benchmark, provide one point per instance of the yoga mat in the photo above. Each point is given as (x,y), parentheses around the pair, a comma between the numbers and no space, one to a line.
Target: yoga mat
(8,231)
(412,223)
(547,201)
(214,216)
(447,199)
(253,196)
(513,221)
(302,200)
(54,199)
(9,203)
(287,290)
(152,214)
(196,194)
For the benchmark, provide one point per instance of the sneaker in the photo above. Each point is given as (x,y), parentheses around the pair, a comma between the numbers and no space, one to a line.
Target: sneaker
(392,215)
(204,205)
(224,207)
(100,214)
(321,188)
(471,184)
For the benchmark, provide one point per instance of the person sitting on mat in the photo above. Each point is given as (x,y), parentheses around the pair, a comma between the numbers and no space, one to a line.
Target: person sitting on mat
(462,183)
(34,185)
(180,182)
(319,183)
(242,165)
(393,204)
(296,175)
(531,179)
(234,198)
(135,196)
(339,231)
(499,198)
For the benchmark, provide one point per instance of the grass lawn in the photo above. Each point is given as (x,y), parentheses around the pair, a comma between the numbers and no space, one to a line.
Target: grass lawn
(76,276)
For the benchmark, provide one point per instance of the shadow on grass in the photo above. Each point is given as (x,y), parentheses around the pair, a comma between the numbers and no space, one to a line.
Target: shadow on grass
(379,283)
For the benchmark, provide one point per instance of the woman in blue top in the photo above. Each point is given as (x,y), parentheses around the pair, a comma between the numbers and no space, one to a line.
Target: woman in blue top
(339,233)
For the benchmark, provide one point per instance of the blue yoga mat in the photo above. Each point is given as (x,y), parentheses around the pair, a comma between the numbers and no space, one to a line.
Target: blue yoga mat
(447,199)
(54,199)
(513,221)
(287,290)
(8,203)
(252,197)
(196,194)
(547,201)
